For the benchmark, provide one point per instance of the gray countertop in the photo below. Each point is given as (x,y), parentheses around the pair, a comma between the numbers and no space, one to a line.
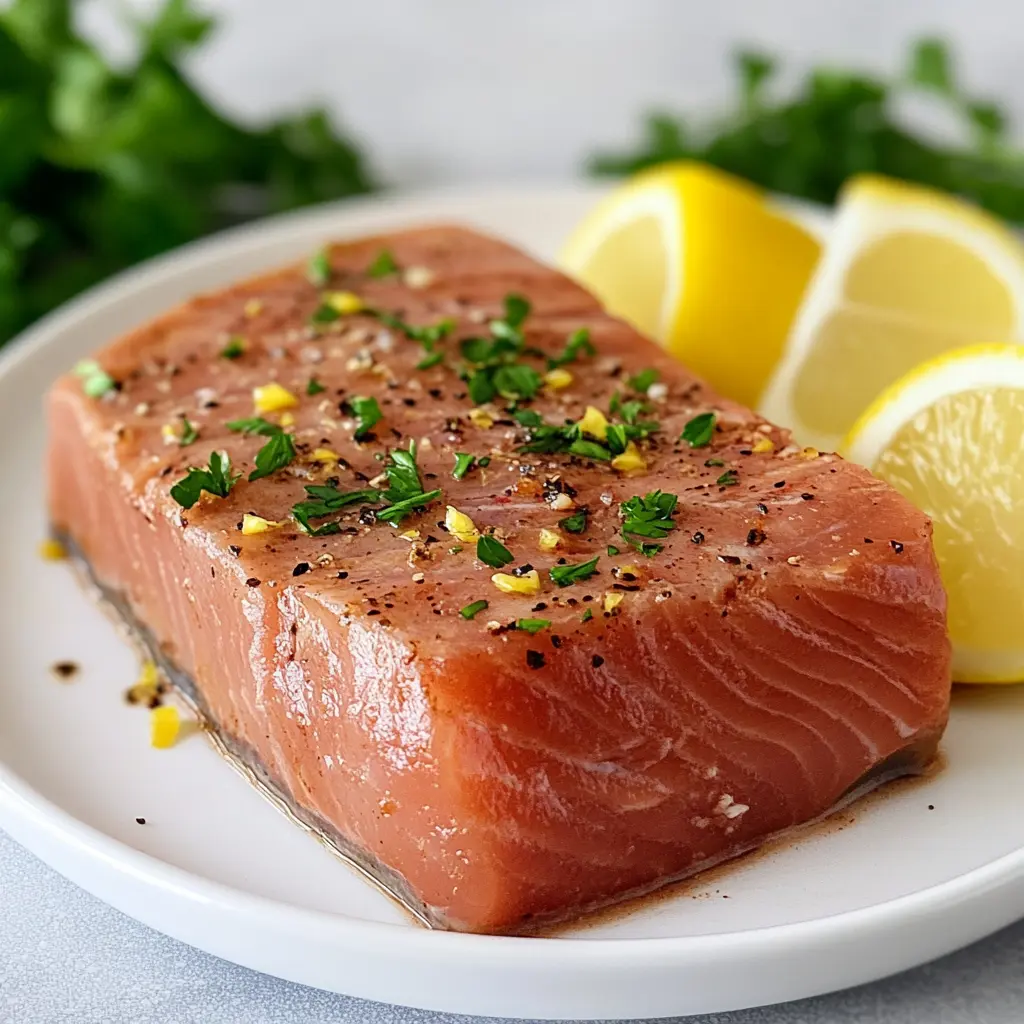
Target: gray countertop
(67,957)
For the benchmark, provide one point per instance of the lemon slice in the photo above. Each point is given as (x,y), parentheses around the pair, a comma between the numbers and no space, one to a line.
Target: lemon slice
(950,436)
(907,274)
(704,263)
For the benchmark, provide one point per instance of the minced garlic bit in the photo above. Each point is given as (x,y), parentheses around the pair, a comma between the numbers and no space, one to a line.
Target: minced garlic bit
(630,460)
(527,584)
(410,535)
(558,379)
(561,501)
(325,455)
(52,550)
(809,453)
(628,569)
(169,432)
(273,398)
(549,539)
(344,303)
(418,277)
(594,423)
(287,419)
(481,418)
(164,726)
(612,601)
(253,308)
(764,444)
(658,391)
(460,526)
(256,524)
(793,560)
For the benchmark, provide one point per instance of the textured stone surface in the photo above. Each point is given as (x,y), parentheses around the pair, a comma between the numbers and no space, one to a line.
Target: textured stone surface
(67,958)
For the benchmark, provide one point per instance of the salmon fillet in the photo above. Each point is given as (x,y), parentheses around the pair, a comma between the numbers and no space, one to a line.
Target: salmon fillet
(783,648)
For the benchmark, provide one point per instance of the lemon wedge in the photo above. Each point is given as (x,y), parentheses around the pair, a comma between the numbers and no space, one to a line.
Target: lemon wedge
(949,437)
(907,274)
(701,261)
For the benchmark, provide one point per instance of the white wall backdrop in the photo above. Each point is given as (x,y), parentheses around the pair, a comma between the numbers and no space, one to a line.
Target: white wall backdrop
(458,90)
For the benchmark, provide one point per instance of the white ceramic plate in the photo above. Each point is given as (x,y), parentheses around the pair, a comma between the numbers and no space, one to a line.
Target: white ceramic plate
(218,867)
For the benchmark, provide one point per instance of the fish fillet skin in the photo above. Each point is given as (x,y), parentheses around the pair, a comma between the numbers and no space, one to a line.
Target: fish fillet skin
(785,648)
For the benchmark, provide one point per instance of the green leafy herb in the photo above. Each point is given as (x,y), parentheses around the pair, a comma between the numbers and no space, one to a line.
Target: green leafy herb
(713,462)
(579,343)
(397,511)
(484,462)
(254,425)
(189,434)
(528,418)
(277,453)
(587,615)
(648,516)
(366,412)
(325,313)
(643,380)
(564,575)
(616,438)
(480,387)
(405,492)
(492,552)
(838,123)
(463,464)
(473,609)
(318,269)
(589,450)
(314,387)
(429,333)
(728,479)
(383,265)
(96,382)
(430,360)
(699,431)
(612,550)
(235,347)
(107,163)
(516,381)
(532,626)
(217,479)
(576,523)
(324,501)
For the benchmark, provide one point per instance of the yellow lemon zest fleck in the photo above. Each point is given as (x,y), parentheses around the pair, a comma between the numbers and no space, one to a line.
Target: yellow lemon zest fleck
(809,453)
(344,302)
(630,460)
(169,433)
(256,524)
(528,584)
(594,423)
(164,726)
(410,535)
(549,539)
(612,601)
(273,398)
(52,550)
(325,455)
(631,569)
(460,525)
(558,379)
(287,419)
(765,444)
(481,418)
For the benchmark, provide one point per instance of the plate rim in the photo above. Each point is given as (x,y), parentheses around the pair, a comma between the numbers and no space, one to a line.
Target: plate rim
(38,823)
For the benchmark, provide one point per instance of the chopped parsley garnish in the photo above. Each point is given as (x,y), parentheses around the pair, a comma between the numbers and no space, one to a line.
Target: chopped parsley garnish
(254,425)
(397,511)
(405,492)
(713,462)
(643,380)
(564,575)
(277,453)
(576,523)
(217,479)
(234,348)
(430,360)
(578,342)
(547,438)
(484,462)
(318,269)
(648,515)
(699,431)
(612,550)
(314,387)
(366,412)
(324,501)
(587,615)
(532,626)
(728,479)
(472,609)
(492,366)
(325,313)
(189,434)
(428,336)
(463,464)
(383,265)
(528,418)
(516,381)
(96,382)
(492,552)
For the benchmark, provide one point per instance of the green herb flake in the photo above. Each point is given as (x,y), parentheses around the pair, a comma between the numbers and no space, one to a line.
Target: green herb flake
(254,425)
(648,516)
(643,380)
(325,313)
(484,462)
(473,609)
(318,269)
(383,265)
(235,347)
(516,381)
(314,387)
(396,512)
(612,550)
(405,492)
(587,615)
(217,479)
(366,412)
(713,462)
(728,479)
(532,626)
(699,431)
(324,501)
(278,452)
(578,344)
(576,523)
(492,552)
(189,433)
(96,382)
(463,464)
(589,450)
(430,360)
(565,575)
